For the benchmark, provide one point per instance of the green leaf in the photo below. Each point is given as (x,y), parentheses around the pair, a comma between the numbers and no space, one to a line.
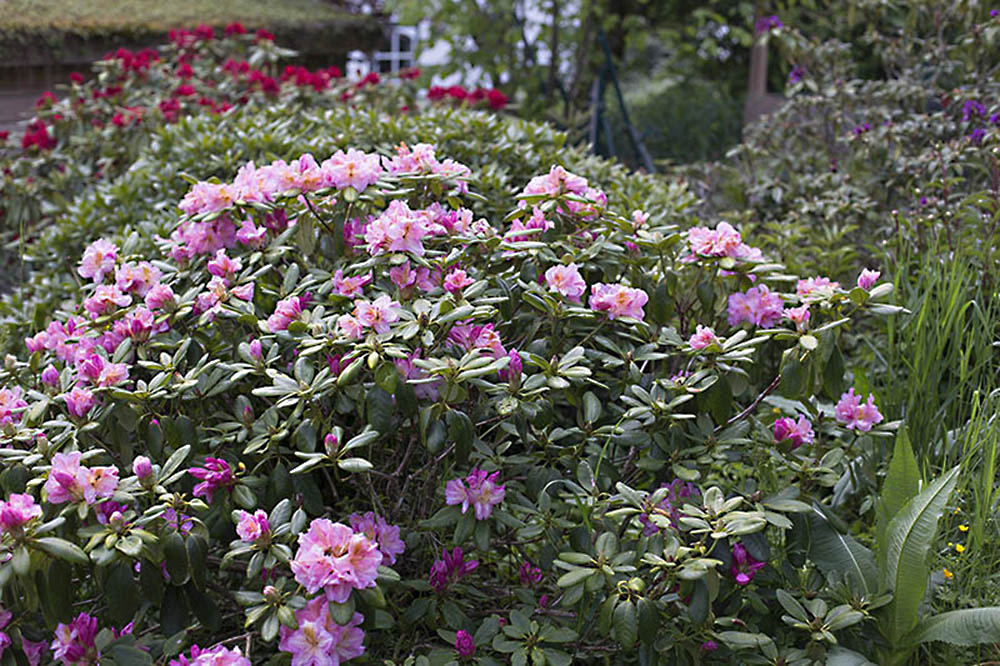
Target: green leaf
(129,655)
(970,626)
(575,576)
(901,484)
(841,555)
(841,656)
(380,409)
(908,541)
(62,549)
(625,621)
(122,593)
(175,556)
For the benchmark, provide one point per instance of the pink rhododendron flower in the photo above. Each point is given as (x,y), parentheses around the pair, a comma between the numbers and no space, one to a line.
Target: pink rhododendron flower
(350,286)
(79,402)
(49,376)
(74,642)
(252,526)
(456,280)
(350,327)
(334,558)
(251,235)
(451,568)
(669,507)
(404,276)
(142,467)
(567,281)
(744,566)
(377,314)
(640,219)
(98,260)
(208,198)
(868,278)
(69,481)
(285,312)
(514,368)
(18,510)
(618,300)
(137,278)
(856,415)
(34,651)
(319,641)
(798,432)
(104,300)
(536,221)
(139,324)
(820,287)
(223,266)
(421,159)
(220,655)
(558,182)
(215,475)
(702,338)
(757,306)
(723,241)
(529,573)
(12,405)
(160,297)
(479,490)
(399,229)
(376,528)
(409,370)
(799,315)
(351,169)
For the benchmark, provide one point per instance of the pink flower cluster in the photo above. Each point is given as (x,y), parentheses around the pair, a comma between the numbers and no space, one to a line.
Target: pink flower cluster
(797,432)
(536,221)
(350,286)
(220,655)
(410,370)
(421,159)
(451,568)
(400,229)
(702,338)
(618,300)
(559,182)
(480,490)
(816,287)
(758,306)
(319,641)
(566,280)
(285,312)
(868,278)
(18,510)
(334,558)
(723,241)
(377,529)
(251,527)
(11,405)
(376,315)
(857,415)
(744,566)
(69,481)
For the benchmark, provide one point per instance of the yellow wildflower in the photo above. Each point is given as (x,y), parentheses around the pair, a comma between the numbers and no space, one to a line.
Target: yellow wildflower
(963,528)
(947,574)
(959,548)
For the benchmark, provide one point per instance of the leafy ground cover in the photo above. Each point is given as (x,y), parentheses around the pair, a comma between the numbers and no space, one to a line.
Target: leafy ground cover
(318,371)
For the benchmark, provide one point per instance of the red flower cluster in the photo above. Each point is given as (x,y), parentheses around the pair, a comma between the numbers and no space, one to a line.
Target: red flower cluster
(37,135)
(318,80)
(137,62)
(496,99)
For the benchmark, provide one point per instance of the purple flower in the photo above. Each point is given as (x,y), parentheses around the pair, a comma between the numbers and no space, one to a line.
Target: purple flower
(449,569)
(709,646)
(769,23)
(668,506)
(464,645)
(861,129)
(744,567)
(976,138)
(179,521)
(378,529)
(972,109)
(797,74)
(74,643)
(856,415)
(142,467)
(480,489)
(757,306)
(798,433)
(529,573)
(214,475)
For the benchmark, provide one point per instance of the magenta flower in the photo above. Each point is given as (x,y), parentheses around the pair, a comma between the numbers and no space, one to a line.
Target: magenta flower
(137,278)
(723,241)
(98,260)
(703,337)
(868,278)
(757,306)
(456,280)
(256,350)
(798,432)
(465,646)
(251,235)
(567,281)
(398,229)
(223,266)
(480,490)
(618,300)
(106,299)
(74,642)
(350,286)
(376,528)
(856,415)
(18,510)
(215,475)
(529,573)
(514,368)
(160,297)
(220,655)
(744,566)
(253,526)
(69,481)
(409,370)
(669,506)
(334,558)
(319,641)
(404,276)
(451,568)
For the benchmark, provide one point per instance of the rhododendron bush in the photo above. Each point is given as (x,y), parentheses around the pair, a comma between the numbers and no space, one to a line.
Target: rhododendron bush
(371,404)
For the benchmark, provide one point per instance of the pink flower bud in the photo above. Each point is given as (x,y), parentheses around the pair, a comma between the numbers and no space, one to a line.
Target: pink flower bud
(330,442)
(142,467)
(50,375)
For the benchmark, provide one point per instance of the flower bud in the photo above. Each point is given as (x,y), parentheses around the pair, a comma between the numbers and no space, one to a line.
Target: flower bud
(142,467)
(50,375)
(331,443)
